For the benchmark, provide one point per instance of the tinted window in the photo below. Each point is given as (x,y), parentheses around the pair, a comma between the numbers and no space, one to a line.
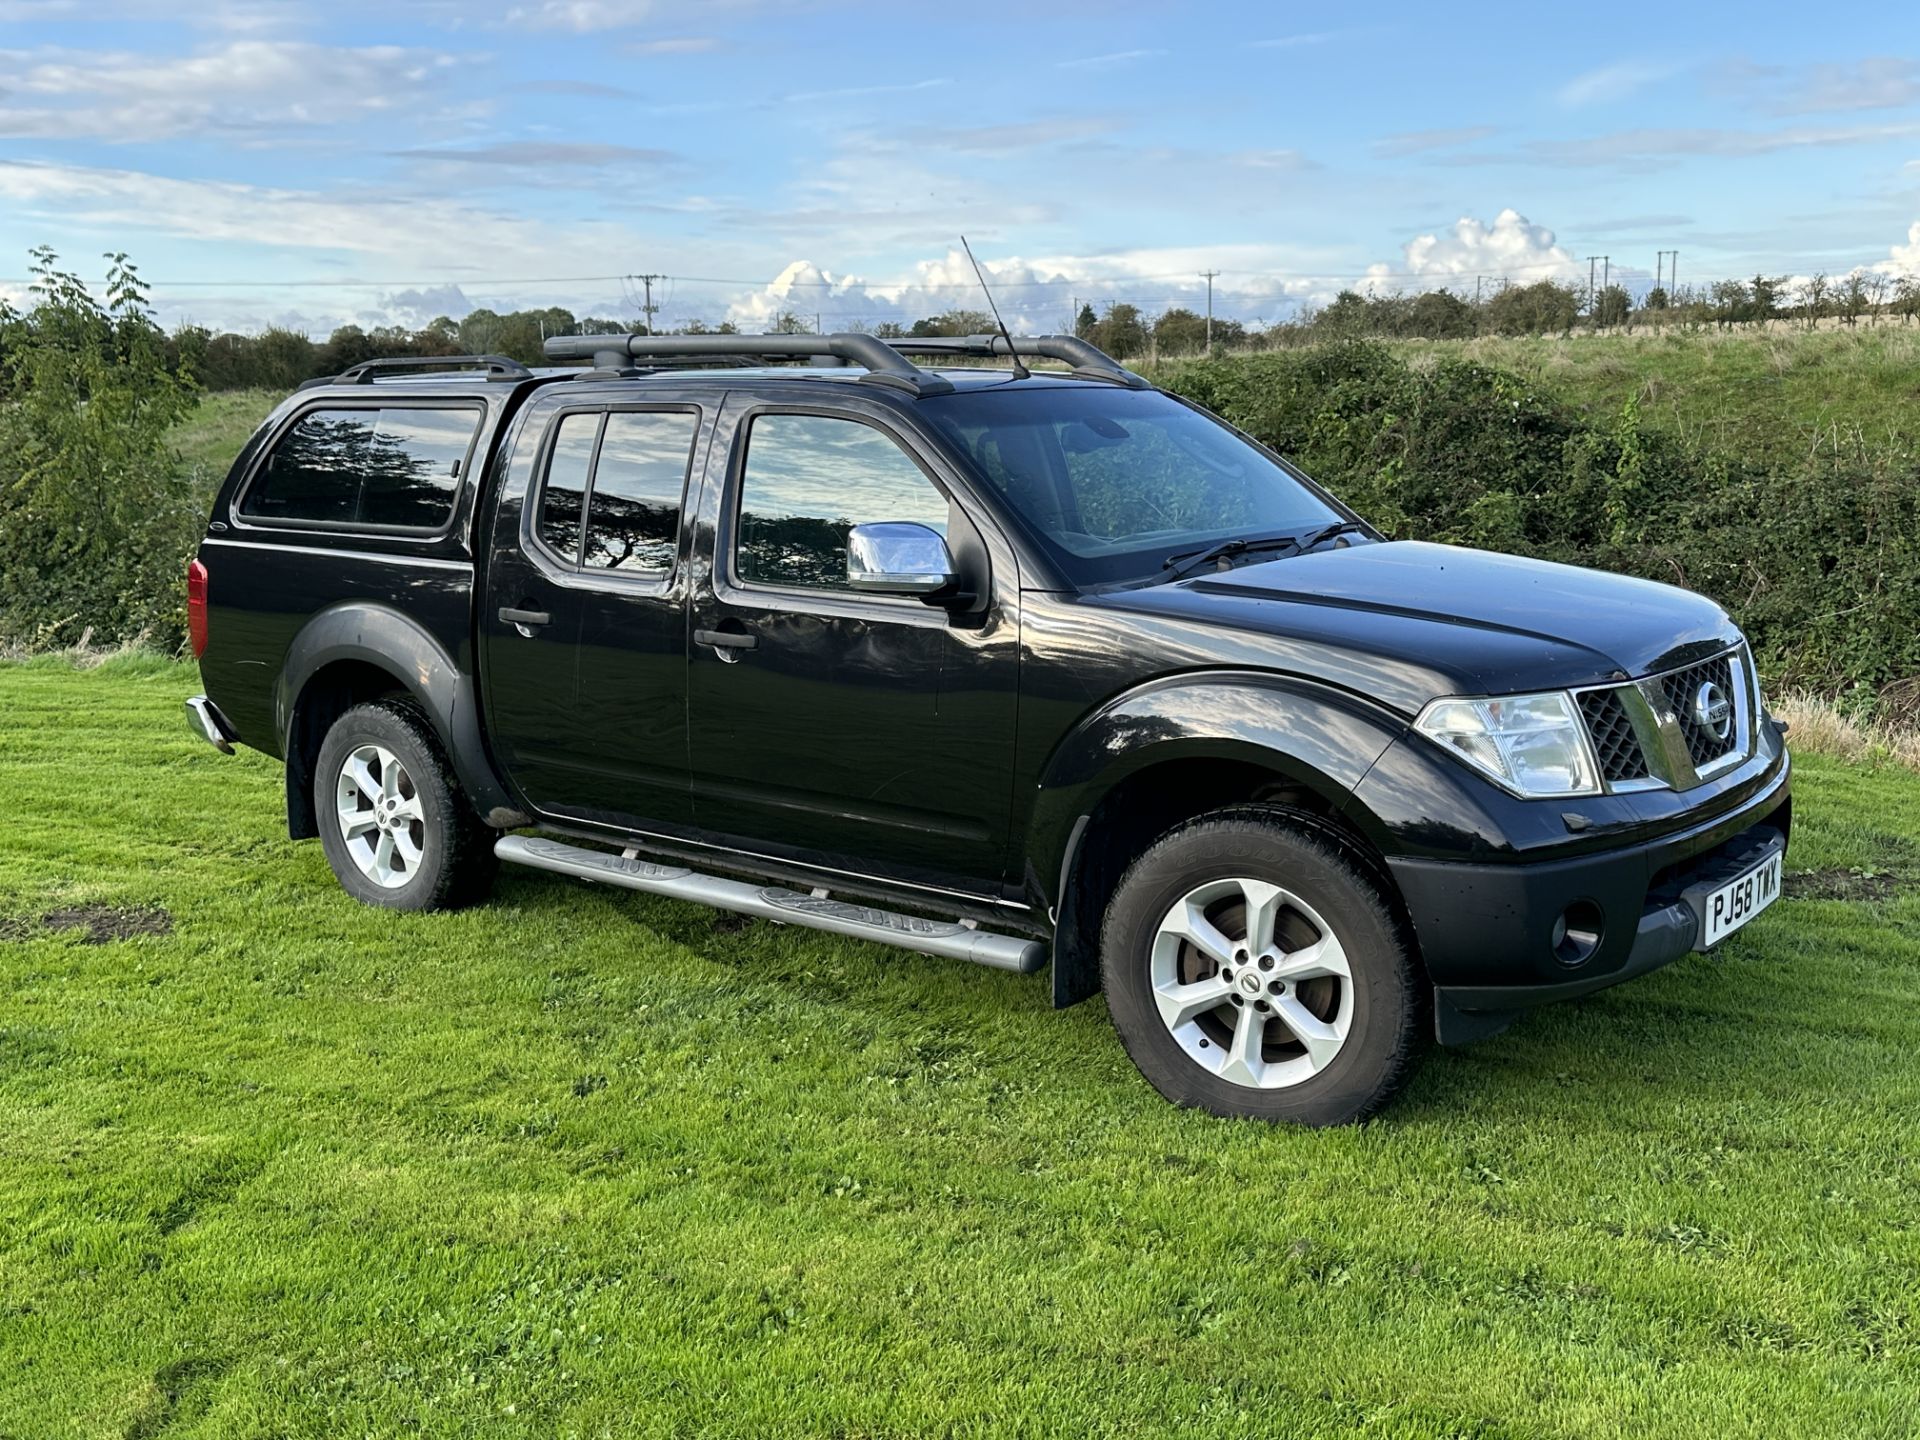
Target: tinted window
(569,464)
(1113,481)
(808,480)
(633,517)
(366,467)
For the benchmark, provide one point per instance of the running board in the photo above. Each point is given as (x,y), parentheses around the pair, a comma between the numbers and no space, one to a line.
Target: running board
(820,911)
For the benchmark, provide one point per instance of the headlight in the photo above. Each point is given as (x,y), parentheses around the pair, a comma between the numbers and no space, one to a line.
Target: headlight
(1534,745)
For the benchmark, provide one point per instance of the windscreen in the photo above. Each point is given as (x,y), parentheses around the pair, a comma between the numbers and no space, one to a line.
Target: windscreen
(1113,482)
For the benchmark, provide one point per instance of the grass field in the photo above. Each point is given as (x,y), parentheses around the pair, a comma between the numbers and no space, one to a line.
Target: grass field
(585,1163)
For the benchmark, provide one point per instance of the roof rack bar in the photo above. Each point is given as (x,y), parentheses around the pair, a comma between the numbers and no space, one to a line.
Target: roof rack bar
(1087,360)
(498,367)
(884,365)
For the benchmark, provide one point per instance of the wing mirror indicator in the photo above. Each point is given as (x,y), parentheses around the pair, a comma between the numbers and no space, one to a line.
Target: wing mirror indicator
(900,557)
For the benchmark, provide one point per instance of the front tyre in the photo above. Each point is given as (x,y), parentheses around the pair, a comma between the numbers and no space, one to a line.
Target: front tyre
(395,826)
(1253,968)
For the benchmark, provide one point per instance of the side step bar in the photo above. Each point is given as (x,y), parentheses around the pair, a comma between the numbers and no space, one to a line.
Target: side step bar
(820,911)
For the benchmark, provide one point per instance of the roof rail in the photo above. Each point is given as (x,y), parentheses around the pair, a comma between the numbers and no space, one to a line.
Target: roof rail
(498,367)
(884,365)
(1087,360)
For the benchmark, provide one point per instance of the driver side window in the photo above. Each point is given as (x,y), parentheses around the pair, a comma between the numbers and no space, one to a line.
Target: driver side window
(807,481)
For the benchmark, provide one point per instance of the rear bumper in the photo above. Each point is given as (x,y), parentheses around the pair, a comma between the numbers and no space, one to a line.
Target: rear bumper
(205,720)
(1486,931)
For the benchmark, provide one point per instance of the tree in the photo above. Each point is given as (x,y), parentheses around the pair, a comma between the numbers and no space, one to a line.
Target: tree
(1613,306)
(1121,332)
(1657,299)
(1084,322)
(1879,285)
(1545,307)
(1906,297)
(1813,298)
(1767,292)
(96,518)
(1731,303)
(1852,299)
(1442,315)
(951,323)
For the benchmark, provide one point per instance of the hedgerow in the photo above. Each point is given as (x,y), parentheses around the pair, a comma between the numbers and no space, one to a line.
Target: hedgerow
(96,520)
(1819,562)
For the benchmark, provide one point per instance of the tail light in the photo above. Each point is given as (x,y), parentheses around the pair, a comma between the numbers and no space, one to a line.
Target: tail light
(197,607)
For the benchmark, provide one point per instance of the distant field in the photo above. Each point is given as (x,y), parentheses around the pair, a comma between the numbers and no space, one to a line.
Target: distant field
(587,1163)
(1781,395)
(211,437)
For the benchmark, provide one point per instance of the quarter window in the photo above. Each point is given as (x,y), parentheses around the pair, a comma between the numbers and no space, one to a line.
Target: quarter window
(569,468)
(808,480)
(386,467)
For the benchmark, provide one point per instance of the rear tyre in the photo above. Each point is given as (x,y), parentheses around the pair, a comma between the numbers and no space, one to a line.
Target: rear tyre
(394,823)
(1253,968)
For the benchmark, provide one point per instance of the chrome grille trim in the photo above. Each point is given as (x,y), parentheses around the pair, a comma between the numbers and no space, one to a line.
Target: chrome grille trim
(1663,738)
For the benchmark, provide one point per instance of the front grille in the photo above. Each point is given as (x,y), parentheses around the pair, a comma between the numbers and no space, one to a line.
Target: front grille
(1682,689)
(1614,742)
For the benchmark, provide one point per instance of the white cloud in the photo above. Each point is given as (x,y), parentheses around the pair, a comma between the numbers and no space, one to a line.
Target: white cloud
(582,16)
(1611,82)
(1512,245)
(1104,62)
(1905,259)
(675,45)
(1295,42)
(1416,142)
(244,86)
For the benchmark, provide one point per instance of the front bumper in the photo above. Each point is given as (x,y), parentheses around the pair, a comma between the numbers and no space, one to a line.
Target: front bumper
(1486,931)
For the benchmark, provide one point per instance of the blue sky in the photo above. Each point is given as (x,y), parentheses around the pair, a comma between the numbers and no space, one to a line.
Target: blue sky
(271,161)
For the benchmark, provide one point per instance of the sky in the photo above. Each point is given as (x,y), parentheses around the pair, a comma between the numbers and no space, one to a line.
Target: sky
(301,164)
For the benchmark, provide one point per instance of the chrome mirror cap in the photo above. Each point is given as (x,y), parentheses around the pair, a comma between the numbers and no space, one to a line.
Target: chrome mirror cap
(898,557)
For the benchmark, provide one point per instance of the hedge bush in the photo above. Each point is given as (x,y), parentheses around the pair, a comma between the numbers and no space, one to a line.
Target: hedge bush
(1820,564)
(96,520)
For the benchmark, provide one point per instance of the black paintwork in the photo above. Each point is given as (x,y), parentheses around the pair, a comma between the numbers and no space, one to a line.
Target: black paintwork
(949,756)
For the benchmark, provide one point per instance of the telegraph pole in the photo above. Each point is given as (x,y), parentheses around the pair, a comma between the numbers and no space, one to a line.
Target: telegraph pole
(647,307)
(1208,275)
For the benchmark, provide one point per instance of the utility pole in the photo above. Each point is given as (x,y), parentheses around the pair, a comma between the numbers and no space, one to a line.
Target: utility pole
(1593,296)
(1208,276)
(647,307)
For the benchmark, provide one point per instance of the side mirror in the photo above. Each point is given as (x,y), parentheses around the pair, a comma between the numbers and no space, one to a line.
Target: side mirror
(898,557)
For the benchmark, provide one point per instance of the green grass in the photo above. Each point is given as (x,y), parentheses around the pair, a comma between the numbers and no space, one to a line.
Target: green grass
(588,1163)
(210,438)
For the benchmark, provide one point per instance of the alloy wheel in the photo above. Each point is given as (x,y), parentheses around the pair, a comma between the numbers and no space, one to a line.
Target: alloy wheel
(1252,983)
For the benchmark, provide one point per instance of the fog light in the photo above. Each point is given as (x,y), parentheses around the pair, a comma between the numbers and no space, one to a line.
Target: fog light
(1576,933)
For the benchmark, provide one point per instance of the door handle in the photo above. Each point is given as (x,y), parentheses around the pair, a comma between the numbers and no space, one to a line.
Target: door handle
(524,617)
(726,639)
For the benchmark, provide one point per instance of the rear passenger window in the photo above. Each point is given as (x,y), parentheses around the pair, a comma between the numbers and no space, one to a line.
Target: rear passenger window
(633,519)
(625,472)
(387,466)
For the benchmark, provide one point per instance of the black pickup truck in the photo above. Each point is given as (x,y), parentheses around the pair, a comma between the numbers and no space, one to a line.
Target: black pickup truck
(995,664)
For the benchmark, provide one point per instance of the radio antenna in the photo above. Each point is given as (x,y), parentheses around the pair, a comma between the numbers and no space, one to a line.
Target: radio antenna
(1020,372)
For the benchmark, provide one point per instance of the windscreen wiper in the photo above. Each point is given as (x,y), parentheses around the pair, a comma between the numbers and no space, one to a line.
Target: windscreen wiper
(1183,564)
(1326,533)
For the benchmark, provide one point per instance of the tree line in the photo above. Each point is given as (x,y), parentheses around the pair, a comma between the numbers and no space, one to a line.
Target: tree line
(278,358)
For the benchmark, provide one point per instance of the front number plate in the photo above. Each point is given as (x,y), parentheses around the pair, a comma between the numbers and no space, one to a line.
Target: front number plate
(1725,910)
